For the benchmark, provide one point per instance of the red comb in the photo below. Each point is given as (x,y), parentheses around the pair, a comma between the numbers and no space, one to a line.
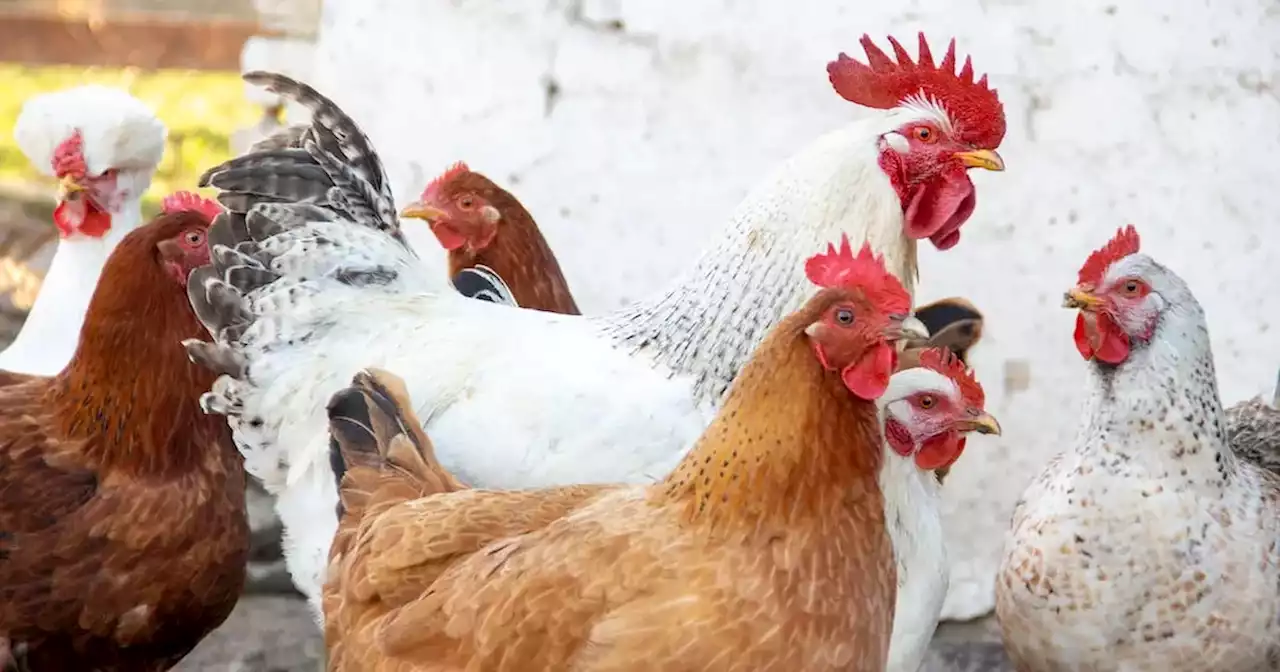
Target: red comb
(974,108)
(866,271)
(68,158)
(184,201)
(451,172)
(1125,243)
(946,362)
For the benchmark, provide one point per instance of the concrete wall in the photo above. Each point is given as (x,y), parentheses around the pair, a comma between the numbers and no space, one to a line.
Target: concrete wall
(631,128)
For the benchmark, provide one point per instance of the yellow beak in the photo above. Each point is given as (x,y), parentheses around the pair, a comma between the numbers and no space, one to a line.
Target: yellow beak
(67,186)
(983,423)
(981,158)
(1082,300)
(420,210)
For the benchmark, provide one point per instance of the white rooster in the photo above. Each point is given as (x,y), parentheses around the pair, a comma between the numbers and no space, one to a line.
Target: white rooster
(316,282)
(103,145)
(925,414)
(1151,544)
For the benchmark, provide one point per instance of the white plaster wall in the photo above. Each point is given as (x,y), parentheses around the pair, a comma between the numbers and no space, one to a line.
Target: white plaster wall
(664,112)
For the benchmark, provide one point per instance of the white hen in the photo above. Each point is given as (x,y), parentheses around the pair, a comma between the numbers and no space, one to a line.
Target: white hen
(103,145)
(304,294)
(925,413)
(1149,545)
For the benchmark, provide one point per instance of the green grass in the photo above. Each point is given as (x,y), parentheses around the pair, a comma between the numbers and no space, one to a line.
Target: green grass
(201,109)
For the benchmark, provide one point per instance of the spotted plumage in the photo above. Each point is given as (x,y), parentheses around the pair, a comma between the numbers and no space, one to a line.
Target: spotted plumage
(1150,544)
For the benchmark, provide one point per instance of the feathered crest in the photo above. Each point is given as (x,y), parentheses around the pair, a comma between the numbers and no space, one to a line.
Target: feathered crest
(183,201)
(945,362)
(974,108)
(866,271)
(1125,243)
(68,158)
(450,173)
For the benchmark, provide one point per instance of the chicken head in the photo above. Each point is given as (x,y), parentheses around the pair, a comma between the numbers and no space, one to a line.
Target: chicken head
(188,248)
(857,331)
(1120,294)
(457,206)
(950,123)
(928,410)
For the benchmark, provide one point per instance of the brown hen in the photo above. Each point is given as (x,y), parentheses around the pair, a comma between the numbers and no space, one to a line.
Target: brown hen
(122,522)
(482,225)
(765,549)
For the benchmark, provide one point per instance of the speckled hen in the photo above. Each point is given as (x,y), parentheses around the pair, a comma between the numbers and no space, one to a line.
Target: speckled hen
(1149,545)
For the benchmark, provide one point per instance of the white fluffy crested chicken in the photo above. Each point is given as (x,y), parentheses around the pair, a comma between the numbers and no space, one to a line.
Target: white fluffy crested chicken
(103,145)
(1149,545)
(926,413)
(304,293)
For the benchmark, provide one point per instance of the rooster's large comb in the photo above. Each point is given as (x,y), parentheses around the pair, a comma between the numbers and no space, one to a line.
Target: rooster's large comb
(1125,243)
(184,201)
(450,173)
(945,362)
(866,271)
(974,108)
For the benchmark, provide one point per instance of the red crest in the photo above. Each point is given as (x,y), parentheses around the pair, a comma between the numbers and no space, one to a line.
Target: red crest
(946,362)
(1125,243)
(866,271)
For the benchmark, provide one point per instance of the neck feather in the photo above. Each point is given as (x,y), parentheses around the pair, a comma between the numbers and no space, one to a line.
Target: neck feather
(790,444)
(710,320)
(1161,408)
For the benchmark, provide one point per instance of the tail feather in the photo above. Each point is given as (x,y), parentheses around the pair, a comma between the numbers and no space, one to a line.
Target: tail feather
(378,445)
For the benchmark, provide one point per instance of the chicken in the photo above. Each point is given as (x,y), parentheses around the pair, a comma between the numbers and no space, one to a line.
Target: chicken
(483,226)
(103,145)
(925,414)
(1253,429)
(1150,544)
(122,523)
(764,550)
(320,288)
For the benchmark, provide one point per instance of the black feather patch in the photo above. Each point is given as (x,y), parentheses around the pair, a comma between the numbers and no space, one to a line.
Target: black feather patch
(364,277)
(483,283)
(938,315)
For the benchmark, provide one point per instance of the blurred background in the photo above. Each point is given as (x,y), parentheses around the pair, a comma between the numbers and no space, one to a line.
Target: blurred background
(631,128)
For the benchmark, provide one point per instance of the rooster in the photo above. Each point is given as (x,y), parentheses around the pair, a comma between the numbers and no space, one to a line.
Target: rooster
(304,294)
(103,145)
(122,523)
(491,238)
(765,549)
(1151,544)
(925,414)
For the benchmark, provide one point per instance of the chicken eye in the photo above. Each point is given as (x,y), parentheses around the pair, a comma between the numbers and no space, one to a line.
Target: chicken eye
(466,202)
(925,134)
(194,238)
(844,316)
(1131,287)
(927,402)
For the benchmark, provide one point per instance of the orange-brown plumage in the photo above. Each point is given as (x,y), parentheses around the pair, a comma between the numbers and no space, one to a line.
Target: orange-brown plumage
(765,549)
(123,534)
(482,224)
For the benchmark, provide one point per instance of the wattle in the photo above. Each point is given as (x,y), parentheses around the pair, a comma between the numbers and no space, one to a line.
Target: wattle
(1097,336)
(939,207)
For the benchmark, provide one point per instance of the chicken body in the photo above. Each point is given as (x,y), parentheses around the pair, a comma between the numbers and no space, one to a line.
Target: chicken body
(123,535)
(513,399)
(764,550)
(1149,545)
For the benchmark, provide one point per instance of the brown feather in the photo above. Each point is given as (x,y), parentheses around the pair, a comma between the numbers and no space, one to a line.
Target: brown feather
(764,550)
(123,534)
